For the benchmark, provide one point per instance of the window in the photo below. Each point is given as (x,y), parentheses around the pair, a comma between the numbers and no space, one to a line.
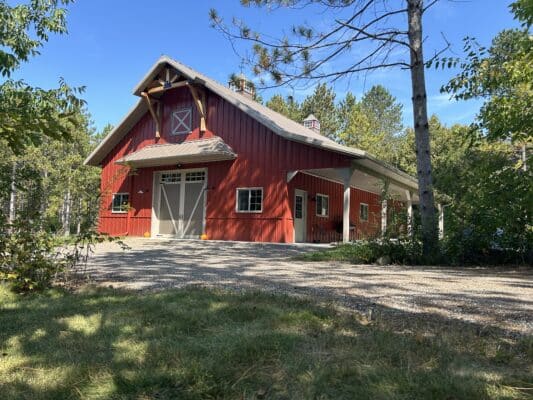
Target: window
(181,121)
(363,212)
(299,207)
(322,205)
(170,177)
(120,202)
(250,200)
(198,176)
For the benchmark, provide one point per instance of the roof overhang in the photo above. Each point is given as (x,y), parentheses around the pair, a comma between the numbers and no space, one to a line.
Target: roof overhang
(189,152)
(368,182)
(279,124)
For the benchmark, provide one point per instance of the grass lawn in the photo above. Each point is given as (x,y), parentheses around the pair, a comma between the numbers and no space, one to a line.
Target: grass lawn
(210,344)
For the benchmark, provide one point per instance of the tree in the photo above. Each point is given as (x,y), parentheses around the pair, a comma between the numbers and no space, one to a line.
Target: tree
(27,113)
(50,184)
(322,105)
(287,107)
(374,124)
(503,76)
(310,56)
(384,110)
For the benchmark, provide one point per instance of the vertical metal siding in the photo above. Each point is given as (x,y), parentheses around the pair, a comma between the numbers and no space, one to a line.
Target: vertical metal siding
(264,159)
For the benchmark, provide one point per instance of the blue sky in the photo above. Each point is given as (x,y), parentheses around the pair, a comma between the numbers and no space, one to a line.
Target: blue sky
(112,44)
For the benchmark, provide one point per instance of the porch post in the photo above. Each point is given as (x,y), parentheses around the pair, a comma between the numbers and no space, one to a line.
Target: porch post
(441,220)
(409,212)
(346,178)
(383,217)
(346,213)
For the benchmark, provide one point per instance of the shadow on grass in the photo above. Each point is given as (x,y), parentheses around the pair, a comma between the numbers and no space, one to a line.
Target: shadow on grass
(201,344)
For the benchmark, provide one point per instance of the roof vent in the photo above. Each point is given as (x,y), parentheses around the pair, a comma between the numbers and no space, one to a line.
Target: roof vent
(312,123)
(240,84)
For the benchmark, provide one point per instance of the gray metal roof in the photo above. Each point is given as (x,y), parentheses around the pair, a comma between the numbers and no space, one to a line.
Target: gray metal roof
(276,122)
(188,152)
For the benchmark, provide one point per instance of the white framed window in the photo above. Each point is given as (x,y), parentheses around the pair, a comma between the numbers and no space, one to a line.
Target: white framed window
(181,121)
(120,203)
(197,176)
(249,200)
(171,177)
(322,205)
(363,212)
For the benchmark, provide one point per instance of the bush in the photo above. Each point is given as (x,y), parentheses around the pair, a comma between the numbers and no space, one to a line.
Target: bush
(31,258)
(28,259)
(387,251)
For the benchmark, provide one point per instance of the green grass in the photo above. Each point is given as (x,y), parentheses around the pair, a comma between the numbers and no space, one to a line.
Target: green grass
(342,252)
(208,344)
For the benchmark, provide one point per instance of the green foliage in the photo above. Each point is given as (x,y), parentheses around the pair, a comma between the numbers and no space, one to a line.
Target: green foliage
(389,251)
(489,217)
(373,124)
(523,10)
(31,259)
(322,105)
(28,257)
(51,176)
(25,27)
(28,113)
(503,76)
(287,107)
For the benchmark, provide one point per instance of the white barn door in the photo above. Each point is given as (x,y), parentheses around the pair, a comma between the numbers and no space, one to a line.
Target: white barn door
(179,203)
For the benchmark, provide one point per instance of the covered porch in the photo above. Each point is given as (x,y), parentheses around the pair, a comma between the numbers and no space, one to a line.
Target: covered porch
(389,186)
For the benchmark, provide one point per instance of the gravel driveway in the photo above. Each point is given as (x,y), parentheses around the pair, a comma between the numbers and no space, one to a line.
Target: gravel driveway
(496,298)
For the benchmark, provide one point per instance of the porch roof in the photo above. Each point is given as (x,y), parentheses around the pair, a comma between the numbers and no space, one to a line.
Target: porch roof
(364,178)
(188,152)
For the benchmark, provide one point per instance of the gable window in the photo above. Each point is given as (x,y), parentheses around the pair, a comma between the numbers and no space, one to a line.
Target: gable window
(250,200)
(120,203)
(363,212)
(322,205)
(181,121)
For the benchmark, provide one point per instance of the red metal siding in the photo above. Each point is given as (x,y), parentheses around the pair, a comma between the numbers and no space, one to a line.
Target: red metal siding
(264,159)
(328,229)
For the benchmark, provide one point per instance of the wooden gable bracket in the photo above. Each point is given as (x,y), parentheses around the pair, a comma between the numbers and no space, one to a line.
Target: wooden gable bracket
(198,95)
(154,113)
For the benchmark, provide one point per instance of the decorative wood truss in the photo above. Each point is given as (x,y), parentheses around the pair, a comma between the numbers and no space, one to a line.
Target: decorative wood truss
(169,79)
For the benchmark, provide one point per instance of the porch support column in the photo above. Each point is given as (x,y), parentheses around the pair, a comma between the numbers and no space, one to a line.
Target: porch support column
(409,212)
(383,217)
(346,175)
(441,220)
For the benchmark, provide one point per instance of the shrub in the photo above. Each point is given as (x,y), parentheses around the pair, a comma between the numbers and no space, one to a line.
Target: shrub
(31,258)
(396,251)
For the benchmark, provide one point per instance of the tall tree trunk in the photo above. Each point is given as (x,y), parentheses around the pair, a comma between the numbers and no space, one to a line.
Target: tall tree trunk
(78,225)
(44,200)
(421,125)
(66,219)
(13,194)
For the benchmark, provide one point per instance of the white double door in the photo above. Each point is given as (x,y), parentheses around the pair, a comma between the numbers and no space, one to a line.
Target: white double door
(180,203)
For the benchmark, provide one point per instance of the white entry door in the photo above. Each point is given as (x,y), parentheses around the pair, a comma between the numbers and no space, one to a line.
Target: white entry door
(300,215)
(179,203)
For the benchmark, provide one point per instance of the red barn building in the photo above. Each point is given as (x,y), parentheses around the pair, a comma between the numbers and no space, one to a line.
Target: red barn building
(196,158)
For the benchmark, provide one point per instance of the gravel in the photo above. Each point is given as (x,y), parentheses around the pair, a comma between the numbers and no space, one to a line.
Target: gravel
(496,298)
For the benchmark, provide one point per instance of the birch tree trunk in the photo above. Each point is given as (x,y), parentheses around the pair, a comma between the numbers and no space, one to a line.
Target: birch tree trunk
(78,225)
(66,219)
(421,127)
(13,195)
